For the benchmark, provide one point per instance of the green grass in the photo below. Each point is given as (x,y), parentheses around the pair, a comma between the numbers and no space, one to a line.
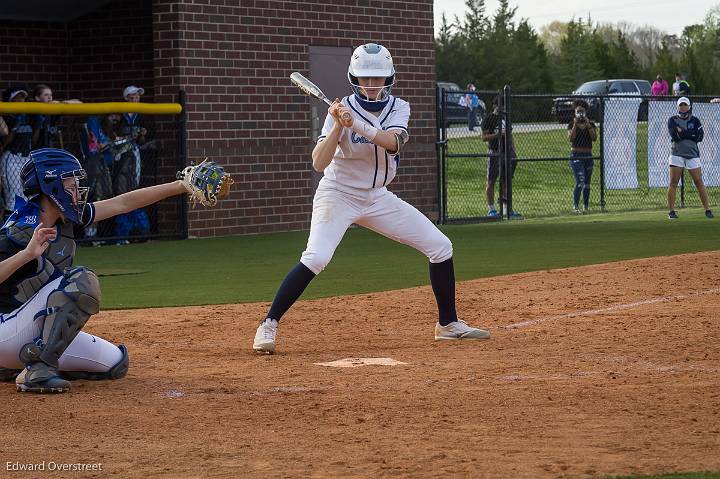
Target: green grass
(250,268)
(545,188)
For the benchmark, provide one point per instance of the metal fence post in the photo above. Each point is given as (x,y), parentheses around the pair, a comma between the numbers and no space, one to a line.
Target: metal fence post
(443,149)
(182,158)
(507,144)
(438,151)
(602,153)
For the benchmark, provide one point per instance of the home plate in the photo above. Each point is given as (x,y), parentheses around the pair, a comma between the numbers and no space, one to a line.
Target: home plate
(357,362)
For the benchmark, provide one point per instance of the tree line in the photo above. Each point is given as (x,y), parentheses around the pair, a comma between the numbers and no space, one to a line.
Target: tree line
(492,50)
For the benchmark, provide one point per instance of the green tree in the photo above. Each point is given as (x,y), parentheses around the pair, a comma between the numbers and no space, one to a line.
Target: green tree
(493,51)
(529,66)
(577,62)
(665,63)
(701,56)
(620,61)
(476,23)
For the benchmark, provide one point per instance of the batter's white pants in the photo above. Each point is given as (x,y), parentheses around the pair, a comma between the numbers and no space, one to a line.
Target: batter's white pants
(85,353)
(336,207)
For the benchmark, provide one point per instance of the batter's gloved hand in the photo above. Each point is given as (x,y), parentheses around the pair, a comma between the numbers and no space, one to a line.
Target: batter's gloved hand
(206,182)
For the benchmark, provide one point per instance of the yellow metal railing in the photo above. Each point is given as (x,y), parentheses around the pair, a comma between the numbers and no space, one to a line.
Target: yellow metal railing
(37,108)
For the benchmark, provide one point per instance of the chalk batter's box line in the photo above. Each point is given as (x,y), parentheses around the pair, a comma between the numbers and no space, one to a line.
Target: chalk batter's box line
(608,309)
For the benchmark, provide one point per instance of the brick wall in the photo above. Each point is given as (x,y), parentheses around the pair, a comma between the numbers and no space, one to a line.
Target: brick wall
(92,58)
(32,53)
(234,59)
(109,49)
(234,63)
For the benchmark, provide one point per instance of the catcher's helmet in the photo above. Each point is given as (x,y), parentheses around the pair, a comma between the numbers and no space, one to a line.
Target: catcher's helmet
(58,175)
(371,61)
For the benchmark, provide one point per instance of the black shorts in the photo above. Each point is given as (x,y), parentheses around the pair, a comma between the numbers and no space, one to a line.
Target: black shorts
(496,166)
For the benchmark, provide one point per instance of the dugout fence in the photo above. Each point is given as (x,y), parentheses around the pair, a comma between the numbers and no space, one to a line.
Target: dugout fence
(122,146)
(629,156)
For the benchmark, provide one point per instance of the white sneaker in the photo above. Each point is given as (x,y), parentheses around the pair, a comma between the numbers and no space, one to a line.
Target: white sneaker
(459,330)
(265,336)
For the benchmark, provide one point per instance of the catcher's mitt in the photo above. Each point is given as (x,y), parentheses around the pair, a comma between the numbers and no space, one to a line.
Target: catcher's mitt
(206,182)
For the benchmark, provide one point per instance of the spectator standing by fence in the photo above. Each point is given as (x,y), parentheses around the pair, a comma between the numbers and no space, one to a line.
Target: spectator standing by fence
(686,132)
(127,169)
(472,103)
(18,144)
(659,87)
(681,86)
(128,136)
(46,133)
(582,132)
(493,132)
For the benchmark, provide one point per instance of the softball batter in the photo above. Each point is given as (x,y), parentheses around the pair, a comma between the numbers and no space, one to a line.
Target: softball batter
(359,160)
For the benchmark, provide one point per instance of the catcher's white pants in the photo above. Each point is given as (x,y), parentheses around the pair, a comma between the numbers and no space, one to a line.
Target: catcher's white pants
(85,353)
(336,207)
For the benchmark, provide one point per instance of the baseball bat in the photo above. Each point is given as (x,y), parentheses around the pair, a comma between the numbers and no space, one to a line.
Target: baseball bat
(313,90)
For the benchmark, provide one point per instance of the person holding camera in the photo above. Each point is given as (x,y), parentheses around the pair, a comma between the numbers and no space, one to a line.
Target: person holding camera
(581,133)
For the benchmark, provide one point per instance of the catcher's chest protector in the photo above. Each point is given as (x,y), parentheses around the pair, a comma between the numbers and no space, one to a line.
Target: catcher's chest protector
(59,255)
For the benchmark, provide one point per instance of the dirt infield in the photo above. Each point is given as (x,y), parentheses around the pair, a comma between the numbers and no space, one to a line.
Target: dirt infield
(612,369)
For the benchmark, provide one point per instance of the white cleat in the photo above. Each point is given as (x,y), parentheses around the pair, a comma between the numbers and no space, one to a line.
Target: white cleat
(265,336)
(459,330)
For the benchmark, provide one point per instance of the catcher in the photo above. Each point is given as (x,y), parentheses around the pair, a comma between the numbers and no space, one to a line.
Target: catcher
(44,300)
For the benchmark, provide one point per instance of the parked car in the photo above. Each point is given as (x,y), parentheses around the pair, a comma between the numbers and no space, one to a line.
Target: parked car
(454,113)
(563,107)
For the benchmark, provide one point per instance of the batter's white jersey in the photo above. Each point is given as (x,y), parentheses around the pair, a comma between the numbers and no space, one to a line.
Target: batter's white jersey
(358,162)
(353,191)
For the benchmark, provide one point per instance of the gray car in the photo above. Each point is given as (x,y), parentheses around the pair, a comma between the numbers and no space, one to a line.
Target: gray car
(563,107)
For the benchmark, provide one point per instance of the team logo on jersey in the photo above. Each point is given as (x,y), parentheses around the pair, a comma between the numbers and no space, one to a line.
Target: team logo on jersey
(358,138)
(31,220)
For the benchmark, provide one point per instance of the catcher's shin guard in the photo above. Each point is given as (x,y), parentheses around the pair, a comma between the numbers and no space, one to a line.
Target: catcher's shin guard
(118,371)
(68,309)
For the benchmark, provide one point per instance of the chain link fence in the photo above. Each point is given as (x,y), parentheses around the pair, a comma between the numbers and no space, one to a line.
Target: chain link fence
(624,169)
(463,154)
(120,153)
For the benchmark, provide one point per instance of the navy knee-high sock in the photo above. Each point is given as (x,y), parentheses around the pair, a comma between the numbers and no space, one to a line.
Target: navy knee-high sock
(442,278)
(290,290)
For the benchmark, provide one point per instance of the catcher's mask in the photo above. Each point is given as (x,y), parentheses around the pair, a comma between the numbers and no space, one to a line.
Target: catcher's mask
(58,175)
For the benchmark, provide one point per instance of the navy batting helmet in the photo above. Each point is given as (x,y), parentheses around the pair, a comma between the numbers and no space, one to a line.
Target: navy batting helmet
(58,175)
